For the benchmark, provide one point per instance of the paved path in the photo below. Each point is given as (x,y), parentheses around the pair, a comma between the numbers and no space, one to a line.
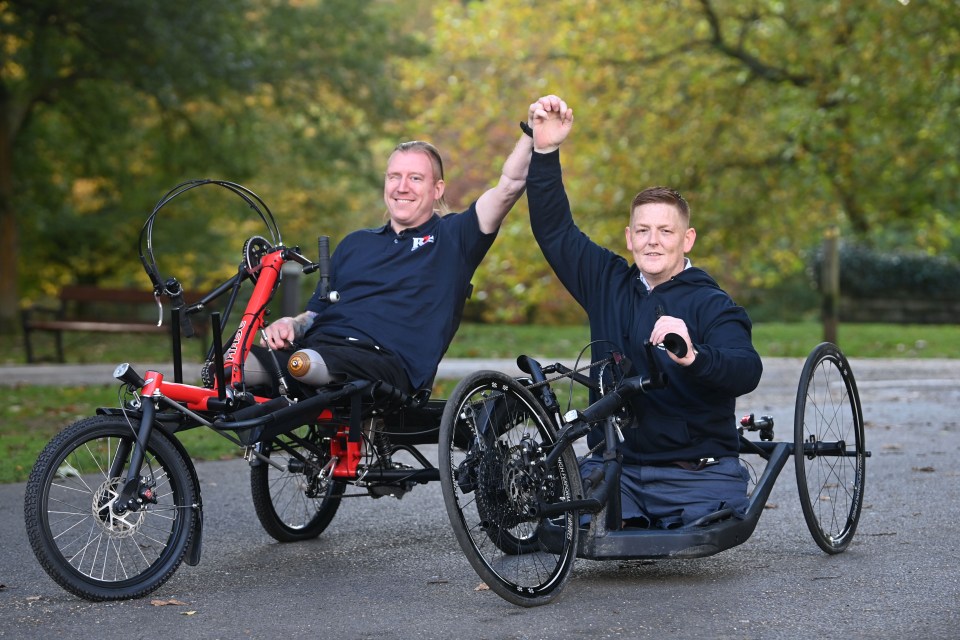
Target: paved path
(887,371)
(57,374)
(390,568)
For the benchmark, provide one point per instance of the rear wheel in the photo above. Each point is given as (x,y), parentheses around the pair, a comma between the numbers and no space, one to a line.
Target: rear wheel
(82,536)
(830,452)
(493,439)
(299,502)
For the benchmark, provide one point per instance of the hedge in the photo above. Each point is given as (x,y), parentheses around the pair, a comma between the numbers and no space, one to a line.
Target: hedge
(867,273)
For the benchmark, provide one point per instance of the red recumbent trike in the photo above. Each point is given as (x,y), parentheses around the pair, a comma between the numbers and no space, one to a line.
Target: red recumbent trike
(113,503)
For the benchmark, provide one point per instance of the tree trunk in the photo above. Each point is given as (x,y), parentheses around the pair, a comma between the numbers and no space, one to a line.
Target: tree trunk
(9,236)
(830,285)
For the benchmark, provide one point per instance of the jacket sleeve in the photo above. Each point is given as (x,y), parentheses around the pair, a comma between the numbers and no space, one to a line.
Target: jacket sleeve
(578,262)
(727,361)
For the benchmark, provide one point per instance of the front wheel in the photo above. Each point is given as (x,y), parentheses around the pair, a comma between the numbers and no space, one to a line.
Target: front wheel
(829,448)
(298,502)
(494,436)
(88,544)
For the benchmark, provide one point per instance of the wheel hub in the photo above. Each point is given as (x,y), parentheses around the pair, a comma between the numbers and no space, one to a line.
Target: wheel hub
(119,525)
(507,485)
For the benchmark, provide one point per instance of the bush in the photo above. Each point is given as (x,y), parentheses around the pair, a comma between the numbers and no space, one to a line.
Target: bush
(867,273)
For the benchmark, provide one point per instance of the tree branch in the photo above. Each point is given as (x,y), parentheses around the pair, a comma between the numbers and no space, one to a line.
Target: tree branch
(754,64)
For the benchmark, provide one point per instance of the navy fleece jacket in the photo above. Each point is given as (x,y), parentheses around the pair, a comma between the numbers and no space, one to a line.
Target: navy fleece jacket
(695,415)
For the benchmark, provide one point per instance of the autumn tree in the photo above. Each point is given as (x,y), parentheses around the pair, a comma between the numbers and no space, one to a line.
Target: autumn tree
(777,120)
(105,105)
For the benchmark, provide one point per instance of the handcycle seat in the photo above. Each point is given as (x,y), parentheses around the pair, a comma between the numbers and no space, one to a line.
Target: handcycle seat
(708,535)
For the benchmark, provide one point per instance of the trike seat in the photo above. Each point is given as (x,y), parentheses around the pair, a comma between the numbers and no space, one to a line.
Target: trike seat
(351,401)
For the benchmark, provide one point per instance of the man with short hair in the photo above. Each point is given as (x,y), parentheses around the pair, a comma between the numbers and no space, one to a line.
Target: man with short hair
(680,462)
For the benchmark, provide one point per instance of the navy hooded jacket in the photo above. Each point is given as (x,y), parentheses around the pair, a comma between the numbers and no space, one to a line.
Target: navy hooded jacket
(695,415)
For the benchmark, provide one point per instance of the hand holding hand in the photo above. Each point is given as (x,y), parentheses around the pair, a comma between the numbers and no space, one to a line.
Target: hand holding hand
(551,121)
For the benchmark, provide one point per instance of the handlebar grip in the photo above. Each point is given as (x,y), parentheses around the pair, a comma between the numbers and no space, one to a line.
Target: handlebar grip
(323,261)
(323,251)
(676,345)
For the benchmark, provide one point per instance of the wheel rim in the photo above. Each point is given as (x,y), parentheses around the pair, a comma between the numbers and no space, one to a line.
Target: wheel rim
(830,452)
(491,482)
(299,501)
(97,543)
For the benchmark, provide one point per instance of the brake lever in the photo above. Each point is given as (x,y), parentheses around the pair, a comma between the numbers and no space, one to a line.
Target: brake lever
(156,297)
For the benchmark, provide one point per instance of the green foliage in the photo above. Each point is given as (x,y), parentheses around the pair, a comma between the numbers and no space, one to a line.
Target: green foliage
(115,102)
(777,121)
(869,273)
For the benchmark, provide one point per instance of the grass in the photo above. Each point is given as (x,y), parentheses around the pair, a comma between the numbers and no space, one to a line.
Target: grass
(31,415)
(775,339)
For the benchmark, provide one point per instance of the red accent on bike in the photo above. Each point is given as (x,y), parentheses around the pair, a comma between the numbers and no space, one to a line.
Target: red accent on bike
(252,322)
(348,454)
(154,380)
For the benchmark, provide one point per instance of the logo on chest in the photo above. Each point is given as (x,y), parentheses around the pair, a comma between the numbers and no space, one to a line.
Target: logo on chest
(422,240)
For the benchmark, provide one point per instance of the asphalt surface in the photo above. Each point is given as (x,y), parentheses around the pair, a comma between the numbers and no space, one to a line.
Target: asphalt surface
(391,568)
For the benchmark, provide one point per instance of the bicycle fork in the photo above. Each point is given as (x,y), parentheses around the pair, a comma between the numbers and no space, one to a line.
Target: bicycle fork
(136,490)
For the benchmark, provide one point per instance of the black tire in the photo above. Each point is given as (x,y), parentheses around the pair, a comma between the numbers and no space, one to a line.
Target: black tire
(488,424)
(79,540)
(298,503)
(830,453)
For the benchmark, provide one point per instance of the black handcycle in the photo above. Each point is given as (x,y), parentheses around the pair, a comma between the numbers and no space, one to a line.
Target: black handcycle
(514,494)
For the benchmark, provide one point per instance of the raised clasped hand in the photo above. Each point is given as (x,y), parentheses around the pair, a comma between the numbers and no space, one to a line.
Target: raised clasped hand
(551,120)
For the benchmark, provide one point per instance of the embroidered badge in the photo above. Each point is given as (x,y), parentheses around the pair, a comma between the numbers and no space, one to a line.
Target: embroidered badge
(419,242)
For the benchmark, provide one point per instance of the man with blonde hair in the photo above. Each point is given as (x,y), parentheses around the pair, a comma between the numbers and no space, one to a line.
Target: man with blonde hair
(403,286)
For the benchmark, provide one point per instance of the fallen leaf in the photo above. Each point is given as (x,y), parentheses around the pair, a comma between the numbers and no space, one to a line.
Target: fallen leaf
(482,587)
(927,469)
(164,603)
(187,613)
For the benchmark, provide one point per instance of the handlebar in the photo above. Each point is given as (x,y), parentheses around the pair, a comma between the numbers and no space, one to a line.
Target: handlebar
(323,266)
(616,399)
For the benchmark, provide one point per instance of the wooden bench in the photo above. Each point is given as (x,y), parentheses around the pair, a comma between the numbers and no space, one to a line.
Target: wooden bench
(97,309)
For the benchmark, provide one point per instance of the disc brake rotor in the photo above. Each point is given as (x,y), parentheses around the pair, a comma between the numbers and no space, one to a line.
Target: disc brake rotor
(118,526)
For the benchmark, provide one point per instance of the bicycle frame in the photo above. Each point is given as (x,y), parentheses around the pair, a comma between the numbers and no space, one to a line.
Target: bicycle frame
(710,535)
